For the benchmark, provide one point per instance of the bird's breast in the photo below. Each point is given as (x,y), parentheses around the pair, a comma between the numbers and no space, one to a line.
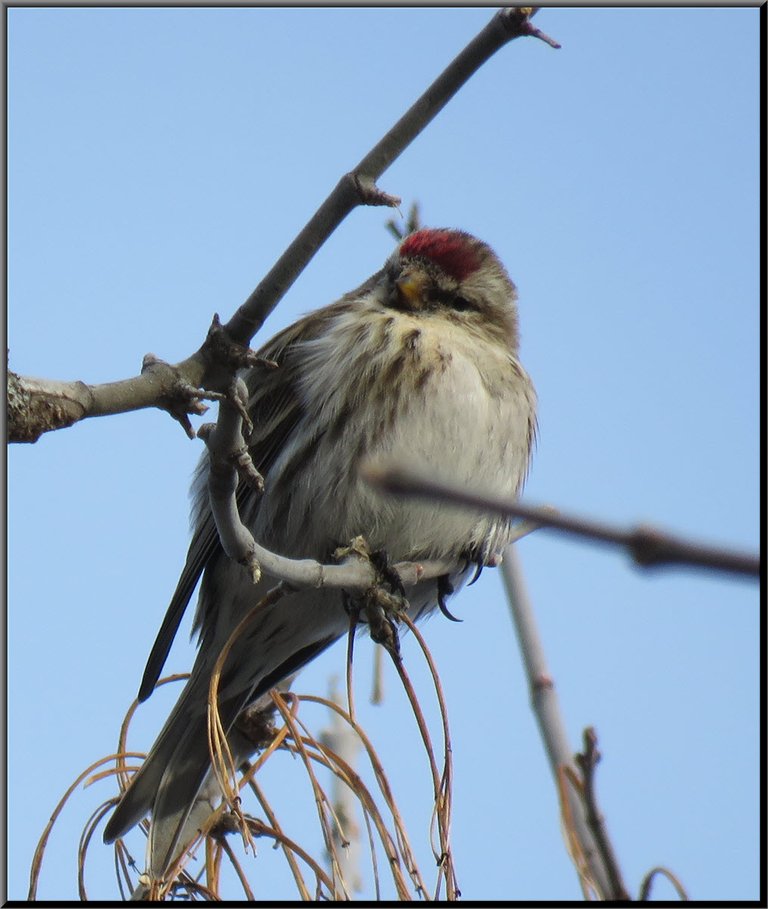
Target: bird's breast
(396,387)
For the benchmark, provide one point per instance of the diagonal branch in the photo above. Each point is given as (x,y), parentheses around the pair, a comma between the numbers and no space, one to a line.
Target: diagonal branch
(37,406)
(588,761)
(546,709)
(358,187)
(648,546)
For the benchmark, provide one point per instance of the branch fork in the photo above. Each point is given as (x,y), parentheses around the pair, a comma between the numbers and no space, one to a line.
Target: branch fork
(224,355)
(178,397)
(369,193)
(38,406)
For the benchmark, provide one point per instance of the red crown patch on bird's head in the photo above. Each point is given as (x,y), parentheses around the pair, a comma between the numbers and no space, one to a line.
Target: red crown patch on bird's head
(454,251)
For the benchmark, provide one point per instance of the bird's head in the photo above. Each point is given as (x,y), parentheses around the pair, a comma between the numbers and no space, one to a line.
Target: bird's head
(452,274)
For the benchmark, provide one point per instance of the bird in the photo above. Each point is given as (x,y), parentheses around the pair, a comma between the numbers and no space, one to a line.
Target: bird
(418,365)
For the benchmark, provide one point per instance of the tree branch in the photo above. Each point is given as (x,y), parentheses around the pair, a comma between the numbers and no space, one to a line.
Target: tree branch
(588,761)
(354,573)
(231,462)
(648,546)
(358,187)
(36,406)
(546,709)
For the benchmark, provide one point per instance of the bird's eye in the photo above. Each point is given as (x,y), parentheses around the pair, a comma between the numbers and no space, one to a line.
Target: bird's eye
(449,300)
(461,304)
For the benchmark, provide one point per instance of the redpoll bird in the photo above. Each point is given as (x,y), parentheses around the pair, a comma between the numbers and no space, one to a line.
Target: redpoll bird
(417,365)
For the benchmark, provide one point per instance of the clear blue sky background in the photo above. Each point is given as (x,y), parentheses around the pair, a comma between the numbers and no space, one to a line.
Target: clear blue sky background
(160,160)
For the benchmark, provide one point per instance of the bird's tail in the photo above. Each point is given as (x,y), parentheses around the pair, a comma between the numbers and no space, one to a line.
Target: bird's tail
(171,781)
(176,783)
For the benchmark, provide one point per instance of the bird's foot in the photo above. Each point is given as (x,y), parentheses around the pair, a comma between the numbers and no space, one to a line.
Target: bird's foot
(384,603)
(382,611)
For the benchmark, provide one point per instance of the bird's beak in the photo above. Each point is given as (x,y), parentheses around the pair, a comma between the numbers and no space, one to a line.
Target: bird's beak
(410,289)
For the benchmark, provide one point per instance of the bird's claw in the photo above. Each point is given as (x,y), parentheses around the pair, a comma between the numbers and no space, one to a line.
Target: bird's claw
(384,602)
(382,612)
(444,589)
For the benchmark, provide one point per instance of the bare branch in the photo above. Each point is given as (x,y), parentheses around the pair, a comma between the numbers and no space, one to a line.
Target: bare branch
(546,709)
(648,546)
(359,186)
(592,850)
(229,462)
(36,406)
(588,761)
(354,573)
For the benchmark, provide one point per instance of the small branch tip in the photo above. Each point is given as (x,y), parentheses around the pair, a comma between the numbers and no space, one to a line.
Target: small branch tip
(542,36)
(370,194)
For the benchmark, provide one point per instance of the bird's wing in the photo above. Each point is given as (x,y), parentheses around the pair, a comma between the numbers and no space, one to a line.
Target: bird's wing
(275,410)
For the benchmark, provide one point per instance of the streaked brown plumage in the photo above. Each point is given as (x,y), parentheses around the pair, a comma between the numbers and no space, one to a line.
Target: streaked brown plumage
(418,364)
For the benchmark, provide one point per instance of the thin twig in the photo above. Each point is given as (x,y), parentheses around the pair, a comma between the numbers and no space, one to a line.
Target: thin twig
(587,762)
(648,546)
(341,740)
(569,783)
(280,836)
(37,858)
(443,795)
(229,463)
(260,829)
(386,791)
(238,870)
(546,709)
(322,802)
(647,883)
(222,761)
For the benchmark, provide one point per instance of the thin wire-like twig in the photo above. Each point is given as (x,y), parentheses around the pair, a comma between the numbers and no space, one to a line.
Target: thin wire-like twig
(238,870)
(567,783)
(322,801)
(259,829)
(85,838)
(221,756)
(443,790)
(647,883)
(122,873)
(275,824)
(386,791)
(177,880)
(37,858)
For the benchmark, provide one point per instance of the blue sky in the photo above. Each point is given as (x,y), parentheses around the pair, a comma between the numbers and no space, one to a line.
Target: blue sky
(159,160)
